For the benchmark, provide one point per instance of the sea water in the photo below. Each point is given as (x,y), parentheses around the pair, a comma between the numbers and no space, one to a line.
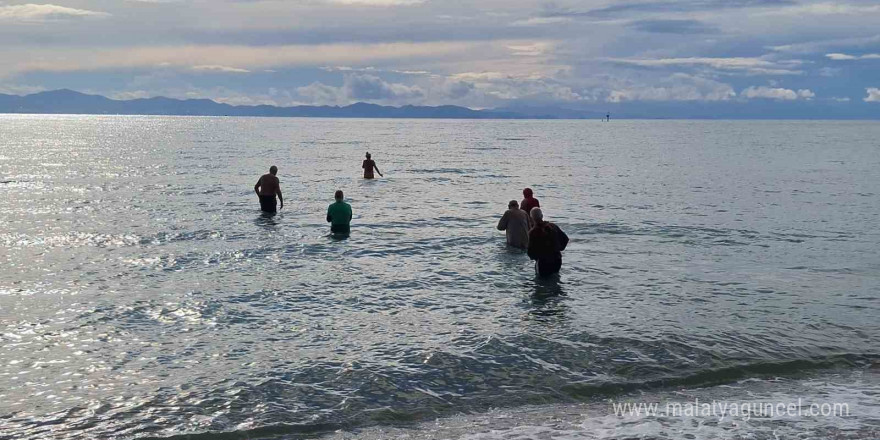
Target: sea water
(143,294)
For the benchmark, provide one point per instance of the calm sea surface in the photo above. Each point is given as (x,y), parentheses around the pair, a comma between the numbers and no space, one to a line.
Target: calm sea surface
(143,294)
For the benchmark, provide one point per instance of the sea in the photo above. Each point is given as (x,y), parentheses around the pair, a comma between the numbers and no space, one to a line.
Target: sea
(144,295)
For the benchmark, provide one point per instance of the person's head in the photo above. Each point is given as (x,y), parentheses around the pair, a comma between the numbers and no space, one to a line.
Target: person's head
(273,170)
(512,204)
(338,195)
(527,193)
(537,215)
(368,155)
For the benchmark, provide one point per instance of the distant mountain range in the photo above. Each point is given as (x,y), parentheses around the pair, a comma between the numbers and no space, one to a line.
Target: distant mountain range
(71,102)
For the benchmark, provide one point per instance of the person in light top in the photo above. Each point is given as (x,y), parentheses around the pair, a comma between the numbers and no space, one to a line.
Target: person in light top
(515,224)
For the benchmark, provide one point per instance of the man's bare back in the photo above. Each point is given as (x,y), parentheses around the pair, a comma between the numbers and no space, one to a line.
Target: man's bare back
(268,185)
(267,188)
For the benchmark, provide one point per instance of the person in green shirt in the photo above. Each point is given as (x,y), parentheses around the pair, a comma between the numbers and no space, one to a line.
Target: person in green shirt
(339,216)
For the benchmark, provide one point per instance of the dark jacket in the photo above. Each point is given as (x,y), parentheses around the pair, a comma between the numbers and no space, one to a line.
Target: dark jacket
(546,241)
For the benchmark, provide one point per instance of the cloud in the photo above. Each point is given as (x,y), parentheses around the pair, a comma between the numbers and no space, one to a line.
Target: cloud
(320,93)
(750,65)
(846,57)
(32,13)
(360,87)
(806,94)
(824,9)
(497,88)
(378,2)
(541,21)
(818,46)
(530,50)
(779,94)
(15,89)
(457,89)
(678,87)
(873,94)
(371,69)
(219,69)
(249,57)
(839,99)
(673,26)
(626,8)
(373,88)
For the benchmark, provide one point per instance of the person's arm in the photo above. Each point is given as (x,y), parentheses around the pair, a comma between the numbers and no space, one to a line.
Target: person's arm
(329,217)
(377,169)
(502,224)
(563,239)
(350,214)
(257,186)
(280,197)
(532,249)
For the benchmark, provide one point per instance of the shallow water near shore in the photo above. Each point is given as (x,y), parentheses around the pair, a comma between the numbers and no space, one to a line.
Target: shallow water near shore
(143,294)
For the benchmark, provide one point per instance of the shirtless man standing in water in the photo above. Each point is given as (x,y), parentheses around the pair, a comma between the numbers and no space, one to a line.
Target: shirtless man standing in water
(267,188)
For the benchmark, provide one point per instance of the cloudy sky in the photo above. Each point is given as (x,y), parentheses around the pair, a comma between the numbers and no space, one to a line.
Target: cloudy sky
(586,54)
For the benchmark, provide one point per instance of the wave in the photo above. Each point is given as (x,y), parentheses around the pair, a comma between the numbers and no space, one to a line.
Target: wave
(386,416)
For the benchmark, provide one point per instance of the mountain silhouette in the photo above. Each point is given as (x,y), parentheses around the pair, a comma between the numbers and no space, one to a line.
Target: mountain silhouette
(71,102)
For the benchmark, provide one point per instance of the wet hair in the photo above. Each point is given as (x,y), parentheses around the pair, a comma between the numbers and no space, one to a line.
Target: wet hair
(537,214)
(527,192)
(338,195)
(512,204)
(368,154)
(273,169)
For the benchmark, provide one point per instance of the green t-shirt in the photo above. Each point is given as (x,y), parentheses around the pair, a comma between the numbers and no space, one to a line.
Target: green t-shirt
(339,213)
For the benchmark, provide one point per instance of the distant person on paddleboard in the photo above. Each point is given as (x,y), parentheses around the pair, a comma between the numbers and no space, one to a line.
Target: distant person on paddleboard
(339,216)
(267,188)
(546,243)
(529,201)
(368,166)
(515,224)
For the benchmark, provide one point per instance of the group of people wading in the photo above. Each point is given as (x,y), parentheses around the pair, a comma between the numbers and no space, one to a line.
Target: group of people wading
(525,228)
(523,223)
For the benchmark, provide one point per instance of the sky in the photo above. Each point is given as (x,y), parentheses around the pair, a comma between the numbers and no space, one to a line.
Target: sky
(689,56)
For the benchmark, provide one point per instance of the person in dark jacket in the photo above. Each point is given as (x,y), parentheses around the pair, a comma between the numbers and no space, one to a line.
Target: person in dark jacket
(546,243)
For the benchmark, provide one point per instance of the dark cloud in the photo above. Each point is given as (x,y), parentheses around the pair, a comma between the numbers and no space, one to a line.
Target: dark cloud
(673,26)
(458,89)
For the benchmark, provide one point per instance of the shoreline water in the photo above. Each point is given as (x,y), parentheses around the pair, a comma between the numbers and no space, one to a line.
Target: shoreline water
(857,388)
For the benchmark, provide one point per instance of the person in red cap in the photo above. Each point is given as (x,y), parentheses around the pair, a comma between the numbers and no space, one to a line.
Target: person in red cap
(529,201)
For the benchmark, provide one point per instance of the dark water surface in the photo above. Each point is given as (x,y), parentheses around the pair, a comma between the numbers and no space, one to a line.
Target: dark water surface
(143,294)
